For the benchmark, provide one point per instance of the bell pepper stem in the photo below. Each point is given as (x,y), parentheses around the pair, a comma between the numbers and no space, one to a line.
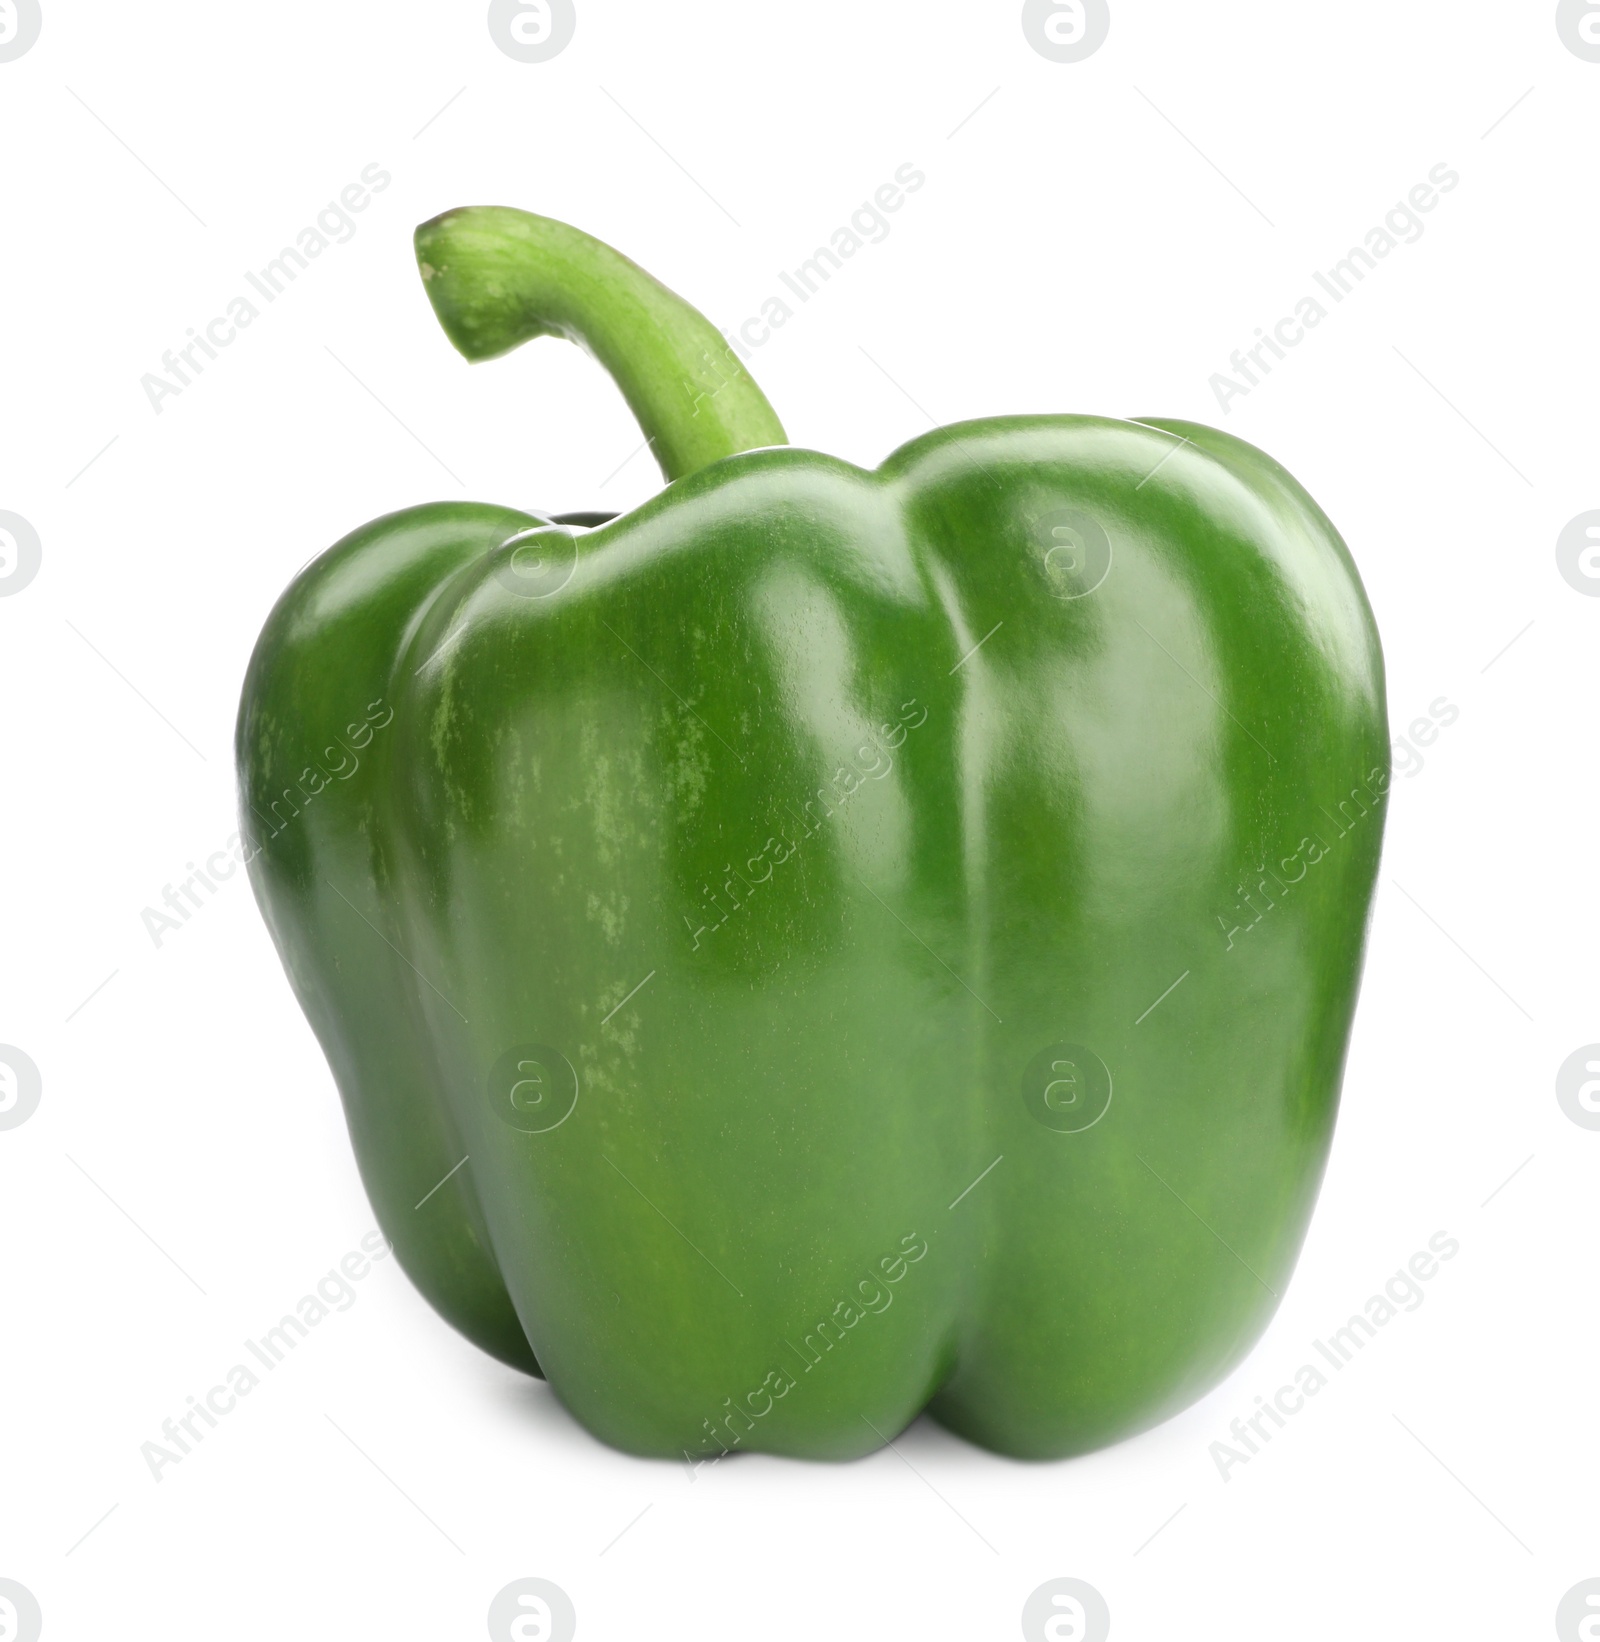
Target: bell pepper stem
(498,277)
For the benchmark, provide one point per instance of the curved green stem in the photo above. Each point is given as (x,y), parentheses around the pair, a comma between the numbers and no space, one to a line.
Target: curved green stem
(498,277)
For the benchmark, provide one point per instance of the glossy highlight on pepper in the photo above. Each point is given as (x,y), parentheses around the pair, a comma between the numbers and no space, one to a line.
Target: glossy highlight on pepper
(829,943)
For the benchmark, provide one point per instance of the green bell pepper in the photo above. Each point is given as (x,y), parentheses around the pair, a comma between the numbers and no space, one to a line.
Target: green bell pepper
(829,943)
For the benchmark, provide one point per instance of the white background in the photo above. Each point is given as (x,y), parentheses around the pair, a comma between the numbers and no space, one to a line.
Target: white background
(1096,237)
